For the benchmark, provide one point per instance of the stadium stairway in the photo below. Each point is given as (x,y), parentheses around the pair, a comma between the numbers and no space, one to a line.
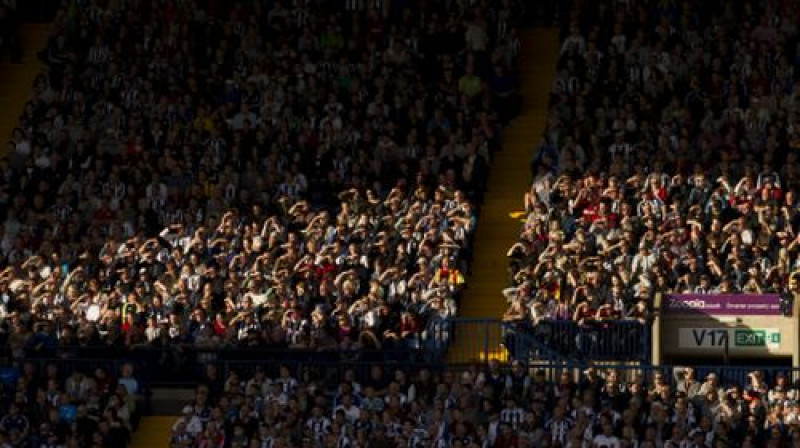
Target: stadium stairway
(153,432)
(510,177)
(16,80)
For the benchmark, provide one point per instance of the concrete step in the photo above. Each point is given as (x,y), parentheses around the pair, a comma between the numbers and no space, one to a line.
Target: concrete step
(16,80)
(170,401)
(508,181)
(153,432)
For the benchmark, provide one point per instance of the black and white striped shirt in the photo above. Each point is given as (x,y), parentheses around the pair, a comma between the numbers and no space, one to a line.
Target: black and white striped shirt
(516,46)
(290,189)
(301,17)
(502,29)
(354,5)
(267,442)
(344,442)
(182,438)
(62,212)
(512,416)
(559,429)
(570,85)
(319,426)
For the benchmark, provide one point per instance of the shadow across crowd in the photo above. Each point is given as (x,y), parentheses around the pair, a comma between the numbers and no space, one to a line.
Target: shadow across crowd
(491,405)
(227,175)
(192,178)
(668,163)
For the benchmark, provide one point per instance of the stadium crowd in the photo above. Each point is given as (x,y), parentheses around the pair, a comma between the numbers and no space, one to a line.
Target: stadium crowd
(209,174)
(668,164)
(219,174)
(94,407)
(490,407)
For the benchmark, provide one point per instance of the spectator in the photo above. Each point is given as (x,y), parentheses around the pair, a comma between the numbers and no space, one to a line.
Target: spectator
(46,408)
(621,209)
(225,175)
(606,408)
(272,186)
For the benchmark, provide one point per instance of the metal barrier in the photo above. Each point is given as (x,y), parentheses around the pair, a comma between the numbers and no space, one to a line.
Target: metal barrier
(740,375)
(568,341)
(522,343)
(457,341)
(330,367)
(468,340)
(186,365)
(627,373)
(444,342)
(728,376)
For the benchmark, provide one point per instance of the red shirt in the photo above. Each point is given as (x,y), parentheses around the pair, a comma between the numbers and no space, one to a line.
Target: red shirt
(219,328)
(590,212)
(773,193)
(326,268)
(410,325)
(586,313)
(103,214)
(661,193)
(503,441)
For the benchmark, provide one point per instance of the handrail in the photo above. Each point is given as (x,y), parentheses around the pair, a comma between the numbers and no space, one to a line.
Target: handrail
(522,345)
(332,365)
(550,340)
(619,340)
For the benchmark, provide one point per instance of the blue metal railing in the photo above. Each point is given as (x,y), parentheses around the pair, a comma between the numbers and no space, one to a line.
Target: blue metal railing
(569,341)
(522,343)
(554,348)
(331,368)
(740,375)
(444,341)
(465,340)
(728,376)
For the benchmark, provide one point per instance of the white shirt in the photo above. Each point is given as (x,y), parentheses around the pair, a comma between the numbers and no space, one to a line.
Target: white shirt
(193,424)
(350,413)
(603,441)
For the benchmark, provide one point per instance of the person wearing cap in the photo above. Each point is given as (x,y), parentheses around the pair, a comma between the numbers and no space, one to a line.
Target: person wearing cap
(711,387)
(687,383)
(189,422)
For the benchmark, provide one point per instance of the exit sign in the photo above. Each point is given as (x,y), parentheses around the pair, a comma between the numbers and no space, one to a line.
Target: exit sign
(734,338)
(756,338)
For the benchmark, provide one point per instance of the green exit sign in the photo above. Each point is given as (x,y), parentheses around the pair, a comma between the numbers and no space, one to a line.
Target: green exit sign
(756,338)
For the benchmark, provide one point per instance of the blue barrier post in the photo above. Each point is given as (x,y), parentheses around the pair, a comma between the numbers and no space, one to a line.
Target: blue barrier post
(485,341)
